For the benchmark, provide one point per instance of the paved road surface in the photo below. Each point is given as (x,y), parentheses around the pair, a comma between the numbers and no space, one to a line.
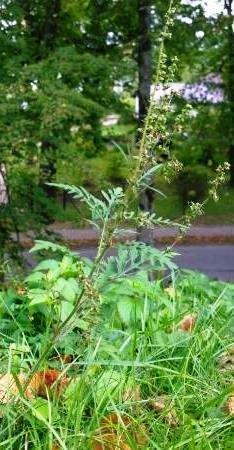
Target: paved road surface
(216,261)
(208,249)
(206,234)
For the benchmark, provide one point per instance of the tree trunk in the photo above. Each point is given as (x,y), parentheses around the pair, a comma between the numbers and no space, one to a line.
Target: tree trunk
(48,168)
(8,221)
(230,86)
(50,30)
(41,33)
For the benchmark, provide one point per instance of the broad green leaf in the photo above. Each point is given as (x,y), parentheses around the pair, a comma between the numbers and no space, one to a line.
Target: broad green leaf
(47,264)
(125,310)
(111,385)
(67,288)
(66,263)
(46,245)
(52,275)
(35,278)
(66,309)
(38,296)
(107,385)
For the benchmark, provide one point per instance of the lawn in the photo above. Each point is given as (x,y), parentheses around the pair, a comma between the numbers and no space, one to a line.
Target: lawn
(220,212)
(109,169)
(150,367)
(170,205)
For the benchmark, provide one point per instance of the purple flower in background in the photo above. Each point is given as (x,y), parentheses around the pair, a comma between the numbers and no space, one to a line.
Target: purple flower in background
(206,91)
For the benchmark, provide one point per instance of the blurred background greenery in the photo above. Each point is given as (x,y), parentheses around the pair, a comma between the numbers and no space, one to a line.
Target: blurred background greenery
(69,83)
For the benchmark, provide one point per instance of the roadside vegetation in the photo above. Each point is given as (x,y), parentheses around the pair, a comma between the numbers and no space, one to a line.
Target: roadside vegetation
(125,351)
(153,371)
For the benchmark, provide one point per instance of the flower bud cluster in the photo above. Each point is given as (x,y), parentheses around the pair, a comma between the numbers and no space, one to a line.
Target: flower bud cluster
(171,169)
(222,172)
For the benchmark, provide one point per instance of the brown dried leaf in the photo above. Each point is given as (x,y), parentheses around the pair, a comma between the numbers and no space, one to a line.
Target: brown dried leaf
(41,382)
(162,404)
(110,442)
(111,434)
(141,436)
(188,322)
(9,389)
(132,394)
(159,404)
(230,405)
(226,360)
(48,380)
(21,290)
(56,446)
(66,359)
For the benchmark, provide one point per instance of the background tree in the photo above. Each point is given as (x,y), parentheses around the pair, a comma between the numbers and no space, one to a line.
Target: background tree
(67,64)
(56,92)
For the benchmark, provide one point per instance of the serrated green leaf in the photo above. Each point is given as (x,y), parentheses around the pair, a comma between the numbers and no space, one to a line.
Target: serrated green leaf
(68,289)
(125,311)
(46,245)
(66,309)
(66,263)
(38,296)
(35,278)
(47,264)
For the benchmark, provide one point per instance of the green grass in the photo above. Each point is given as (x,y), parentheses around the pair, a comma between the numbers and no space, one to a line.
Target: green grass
(221,212)
(147,358)
(102,169)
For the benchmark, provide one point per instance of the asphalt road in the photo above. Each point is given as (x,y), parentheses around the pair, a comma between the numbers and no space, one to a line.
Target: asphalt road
(216,261)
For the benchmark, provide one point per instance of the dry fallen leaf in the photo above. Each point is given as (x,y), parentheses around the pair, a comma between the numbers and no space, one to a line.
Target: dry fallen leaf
(162,404)
(56,446)
(132,394)
(21,290)
(226,360)
(9,390)
(188,322)
(110,436)
(112,433)
(39,385)
(50,379)
(66,359)
(107,445)
(230,405)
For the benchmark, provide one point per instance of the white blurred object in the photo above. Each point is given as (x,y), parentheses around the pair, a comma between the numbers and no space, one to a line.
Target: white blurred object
(111,119)
(3,188)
